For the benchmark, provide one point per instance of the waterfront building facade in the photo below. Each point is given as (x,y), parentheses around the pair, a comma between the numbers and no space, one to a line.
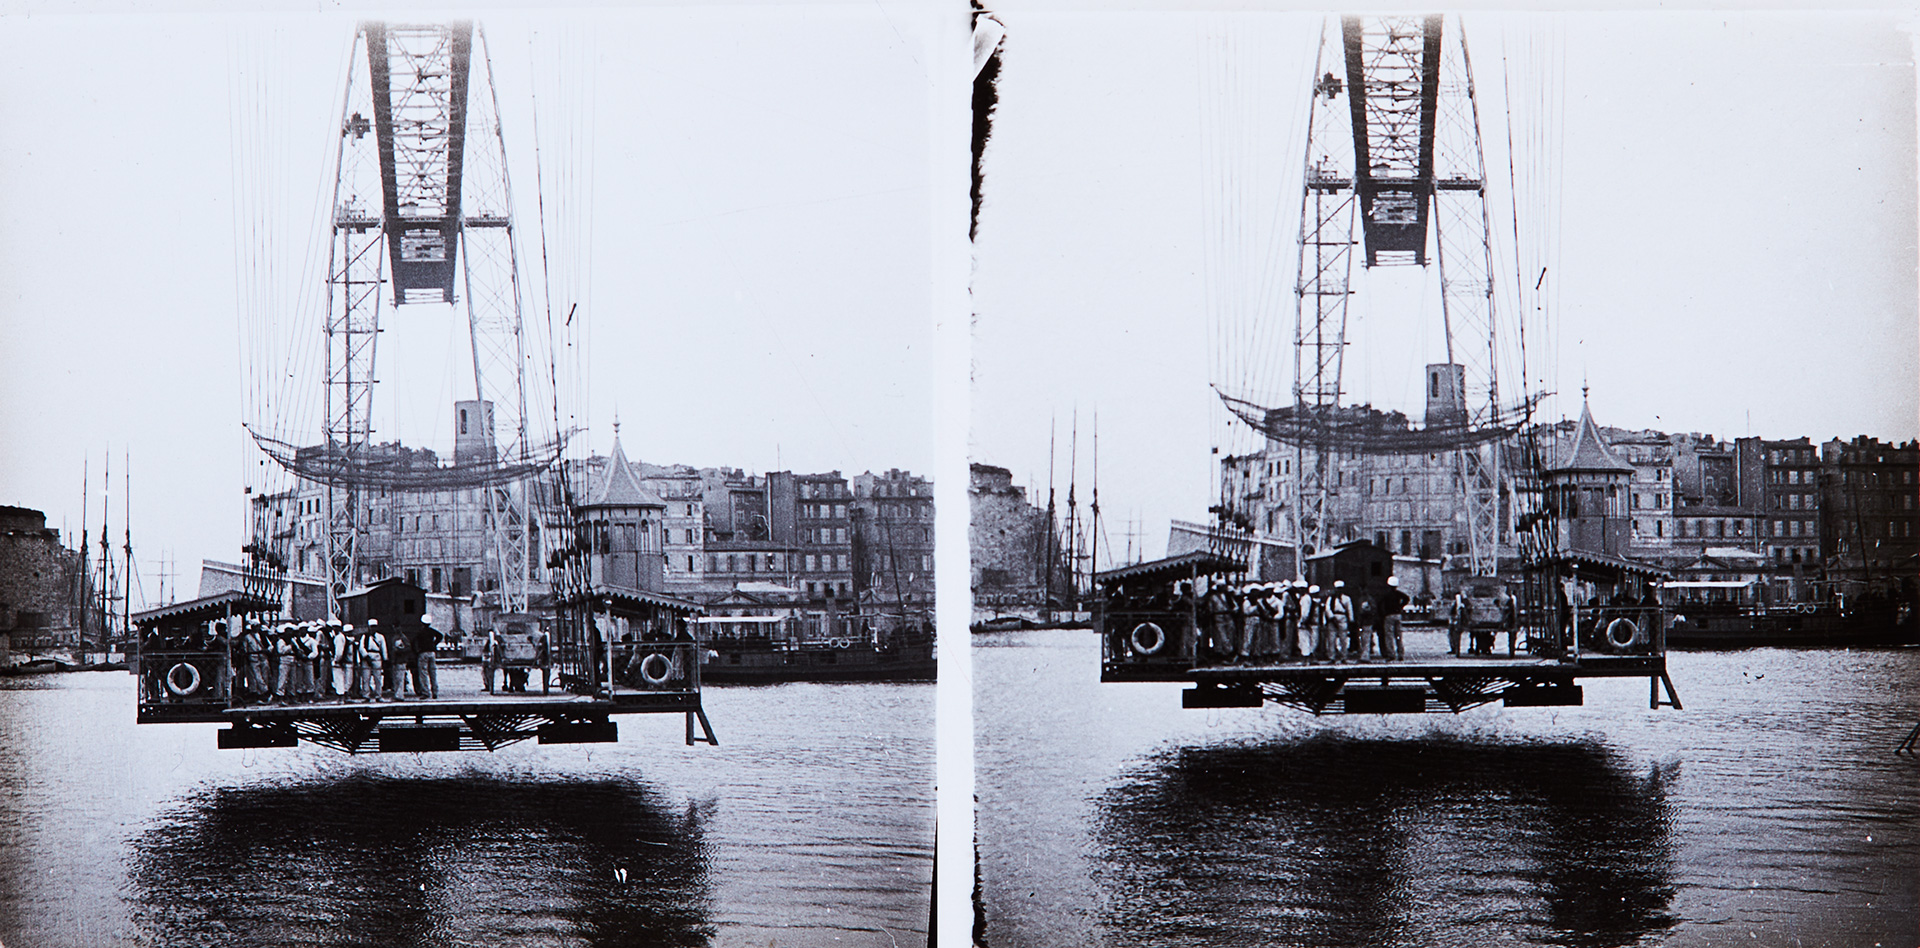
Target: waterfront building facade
(823,535)
(1870,534)
(1782,479)
(708,529)
(892,517)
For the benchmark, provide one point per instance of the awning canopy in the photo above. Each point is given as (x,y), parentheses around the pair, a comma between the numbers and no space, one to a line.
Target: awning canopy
(635,599)
(1173,567)
(1600,563)
(217,606)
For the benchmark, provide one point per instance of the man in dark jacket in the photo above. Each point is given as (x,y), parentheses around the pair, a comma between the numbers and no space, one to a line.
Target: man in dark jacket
(426,673)
(399,664)
(1392,603)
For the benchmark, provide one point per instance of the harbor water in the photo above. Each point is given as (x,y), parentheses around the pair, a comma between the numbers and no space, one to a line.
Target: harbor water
(1772,810)
(810,825)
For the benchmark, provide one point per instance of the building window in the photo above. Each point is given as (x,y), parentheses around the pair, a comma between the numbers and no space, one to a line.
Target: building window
(689,563)
(1659,528)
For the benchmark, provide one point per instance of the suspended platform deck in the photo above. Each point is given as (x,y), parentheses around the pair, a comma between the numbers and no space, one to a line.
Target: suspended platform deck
(187,673)
(461,722)
(1429,680)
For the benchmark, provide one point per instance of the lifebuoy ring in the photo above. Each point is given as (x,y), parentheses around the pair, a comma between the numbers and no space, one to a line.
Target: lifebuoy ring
(1148,638)
(841,643)
(193,679)
(1622,634)
(647,672)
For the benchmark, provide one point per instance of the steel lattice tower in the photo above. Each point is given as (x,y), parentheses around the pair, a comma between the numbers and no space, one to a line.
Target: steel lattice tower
(422,202)
(1393,144)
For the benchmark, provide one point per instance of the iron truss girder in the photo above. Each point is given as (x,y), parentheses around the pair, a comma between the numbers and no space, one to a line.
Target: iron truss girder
(1463,226)
(491,271)
(356,270)
(1321,291)
(419,76)
(1392,68)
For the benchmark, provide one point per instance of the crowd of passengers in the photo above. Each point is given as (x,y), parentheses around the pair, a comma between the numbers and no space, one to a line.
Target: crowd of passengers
(1264,623)
(315,662)
(1275,622)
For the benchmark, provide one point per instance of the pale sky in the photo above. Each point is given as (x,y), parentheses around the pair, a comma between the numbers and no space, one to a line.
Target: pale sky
(755,287)
(1733,250)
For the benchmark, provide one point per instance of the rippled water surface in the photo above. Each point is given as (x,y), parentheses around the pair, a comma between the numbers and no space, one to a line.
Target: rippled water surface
(811,824)
(1771,811)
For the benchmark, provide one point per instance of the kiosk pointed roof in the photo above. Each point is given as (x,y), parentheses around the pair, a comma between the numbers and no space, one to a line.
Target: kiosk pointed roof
(1589,452)
(621,487)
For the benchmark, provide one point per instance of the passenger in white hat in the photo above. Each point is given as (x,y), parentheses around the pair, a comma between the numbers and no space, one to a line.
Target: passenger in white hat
(1340,621)
(1392,602)
(1313,625)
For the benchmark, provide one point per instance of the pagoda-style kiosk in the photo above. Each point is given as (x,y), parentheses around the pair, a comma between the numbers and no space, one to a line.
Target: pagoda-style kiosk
(630,642)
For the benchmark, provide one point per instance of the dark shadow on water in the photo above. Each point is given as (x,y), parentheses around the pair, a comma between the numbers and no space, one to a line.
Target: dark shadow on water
(372,860)
(1334,840)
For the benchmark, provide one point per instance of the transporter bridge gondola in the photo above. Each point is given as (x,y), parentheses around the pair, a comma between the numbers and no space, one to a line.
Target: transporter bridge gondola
(615,652)
(1164,621)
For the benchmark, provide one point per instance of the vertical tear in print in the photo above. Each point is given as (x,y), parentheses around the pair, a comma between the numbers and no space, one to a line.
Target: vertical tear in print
(988,33)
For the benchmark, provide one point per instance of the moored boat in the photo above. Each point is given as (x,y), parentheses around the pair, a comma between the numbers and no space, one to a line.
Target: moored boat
(771,649)
(1711,627)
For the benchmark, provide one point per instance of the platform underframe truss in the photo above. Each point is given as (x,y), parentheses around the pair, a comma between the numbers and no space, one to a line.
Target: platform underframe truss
(476,731)
(1453,693)
(1431,694)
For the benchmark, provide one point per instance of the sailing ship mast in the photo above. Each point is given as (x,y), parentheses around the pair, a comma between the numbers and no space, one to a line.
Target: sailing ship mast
(1093,543)
(84,595)
(106,558)
(126,524)
(1047,557)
